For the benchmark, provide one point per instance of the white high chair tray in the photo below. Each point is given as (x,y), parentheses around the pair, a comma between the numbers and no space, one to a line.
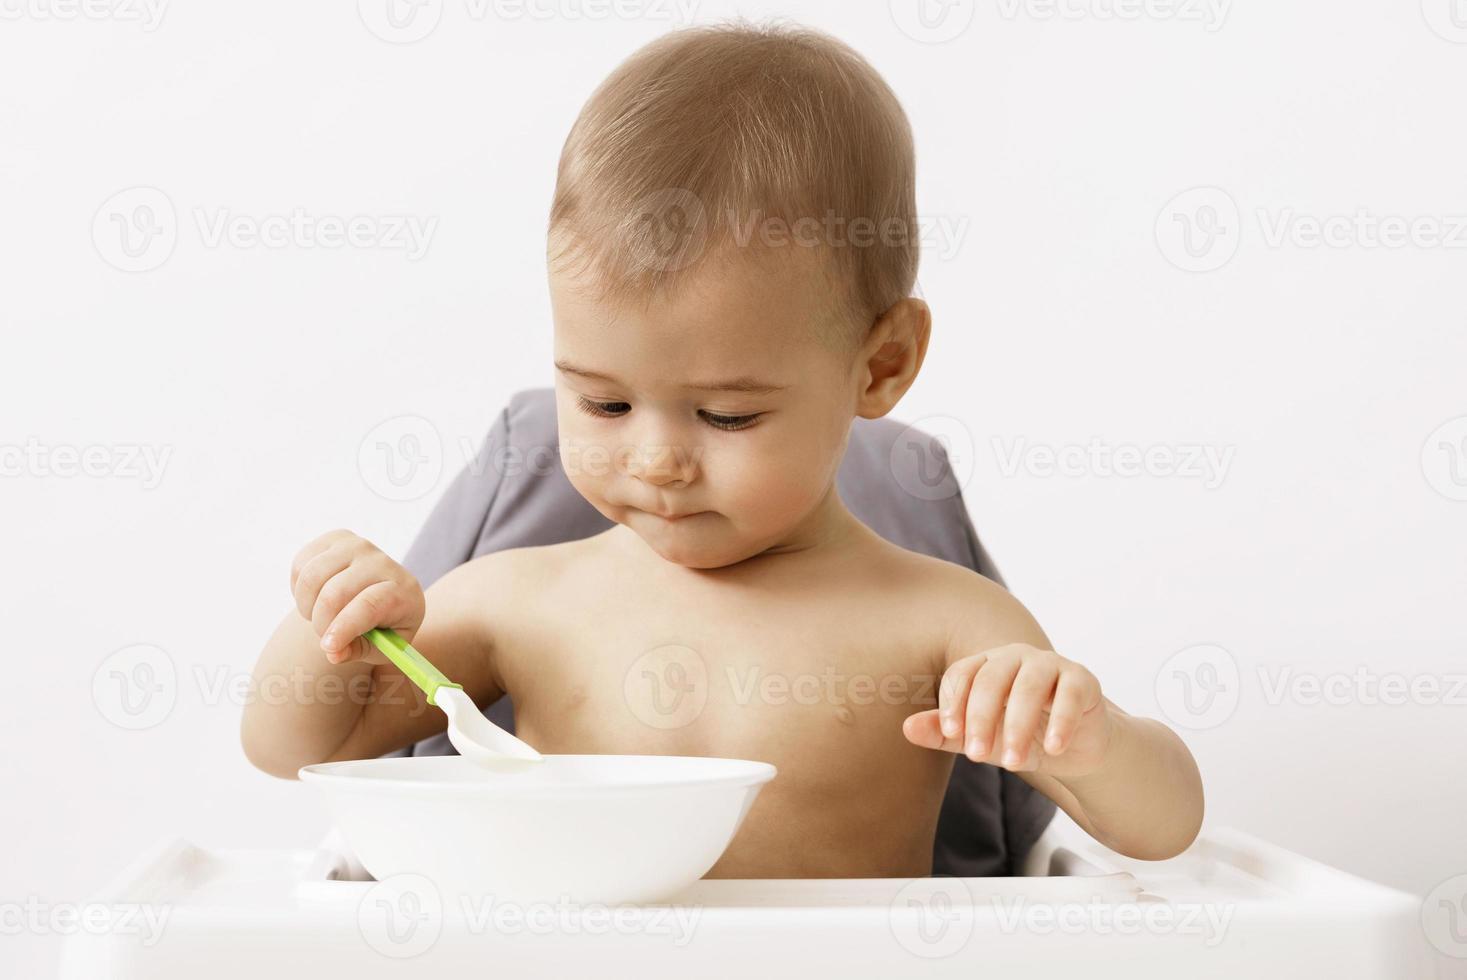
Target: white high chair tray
(1231,906)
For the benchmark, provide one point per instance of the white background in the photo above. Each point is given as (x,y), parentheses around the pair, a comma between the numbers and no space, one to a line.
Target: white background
(1053,145)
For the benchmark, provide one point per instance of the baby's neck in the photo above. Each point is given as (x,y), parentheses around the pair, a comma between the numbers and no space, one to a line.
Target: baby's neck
(828,526)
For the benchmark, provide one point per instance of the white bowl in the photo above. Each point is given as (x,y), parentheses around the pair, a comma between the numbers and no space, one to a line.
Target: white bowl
(605,829)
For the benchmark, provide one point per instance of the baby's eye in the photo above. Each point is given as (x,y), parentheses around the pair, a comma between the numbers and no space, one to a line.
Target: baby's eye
(729,422)
(602,409)
(609,410)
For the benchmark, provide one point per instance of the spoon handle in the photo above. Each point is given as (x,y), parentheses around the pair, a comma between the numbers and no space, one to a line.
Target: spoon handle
(410,662)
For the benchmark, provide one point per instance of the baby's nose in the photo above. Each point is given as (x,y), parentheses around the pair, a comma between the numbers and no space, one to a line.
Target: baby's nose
(661,464)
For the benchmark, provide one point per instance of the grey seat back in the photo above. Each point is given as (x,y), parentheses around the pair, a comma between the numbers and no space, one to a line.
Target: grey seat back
(514,494)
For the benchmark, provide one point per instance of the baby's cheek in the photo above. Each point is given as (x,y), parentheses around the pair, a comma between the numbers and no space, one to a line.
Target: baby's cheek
(773,490)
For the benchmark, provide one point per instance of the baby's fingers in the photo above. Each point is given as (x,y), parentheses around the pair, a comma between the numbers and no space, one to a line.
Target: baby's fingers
(337,594)
(1028,698)
(952,694)
(923,729)
(374,605)
(986,703)
(1076,693)
(310,575)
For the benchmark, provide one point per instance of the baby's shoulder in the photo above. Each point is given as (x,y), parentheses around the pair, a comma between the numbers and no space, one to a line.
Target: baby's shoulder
(973,610)
(525,571)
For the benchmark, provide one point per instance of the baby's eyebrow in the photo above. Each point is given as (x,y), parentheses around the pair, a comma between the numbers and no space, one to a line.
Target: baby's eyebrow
(746,385)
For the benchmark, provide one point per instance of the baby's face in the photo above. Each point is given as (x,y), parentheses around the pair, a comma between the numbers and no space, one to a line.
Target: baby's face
(711,424)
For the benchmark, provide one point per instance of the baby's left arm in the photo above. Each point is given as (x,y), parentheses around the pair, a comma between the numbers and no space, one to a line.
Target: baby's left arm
(1007,699)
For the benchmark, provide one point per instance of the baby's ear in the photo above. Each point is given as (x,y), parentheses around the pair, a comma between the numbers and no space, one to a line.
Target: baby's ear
(892,355)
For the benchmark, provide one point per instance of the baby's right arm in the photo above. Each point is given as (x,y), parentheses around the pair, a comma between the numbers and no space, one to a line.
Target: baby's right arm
(322,692)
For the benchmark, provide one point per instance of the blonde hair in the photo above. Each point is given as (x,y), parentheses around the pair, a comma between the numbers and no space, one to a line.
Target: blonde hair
(709,133)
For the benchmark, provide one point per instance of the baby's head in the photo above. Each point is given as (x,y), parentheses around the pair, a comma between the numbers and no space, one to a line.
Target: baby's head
(732,249)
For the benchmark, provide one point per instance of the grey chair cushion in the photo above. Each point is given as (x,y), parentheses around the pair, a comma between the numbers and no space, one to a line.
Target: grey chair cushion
(514,494)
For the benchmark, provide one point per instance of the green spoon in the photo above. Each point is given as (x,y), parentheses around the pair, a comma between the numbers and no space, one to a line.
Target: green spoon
(475,736)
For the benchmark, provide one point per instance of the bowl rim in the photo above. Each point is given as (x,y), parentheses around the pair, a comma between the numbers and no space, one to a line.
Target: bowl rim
(338,776)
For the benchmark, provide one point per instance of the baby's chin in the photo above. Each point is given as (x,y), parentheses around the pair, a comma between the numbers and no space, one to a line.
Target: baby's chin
(697,541)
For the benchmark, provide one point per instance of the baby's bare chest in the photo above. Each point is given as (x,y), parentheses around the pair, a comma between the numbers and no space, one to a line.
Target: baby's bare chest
(780,676)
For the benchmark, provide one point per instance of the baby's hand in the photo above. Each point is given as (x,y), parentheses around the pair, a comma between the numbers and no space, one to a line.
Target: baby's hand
(1021,708)
(344,586)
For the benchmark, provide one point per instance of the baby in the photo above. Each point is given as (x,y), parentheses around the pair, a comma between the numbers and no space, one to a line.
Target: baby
(732,248)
